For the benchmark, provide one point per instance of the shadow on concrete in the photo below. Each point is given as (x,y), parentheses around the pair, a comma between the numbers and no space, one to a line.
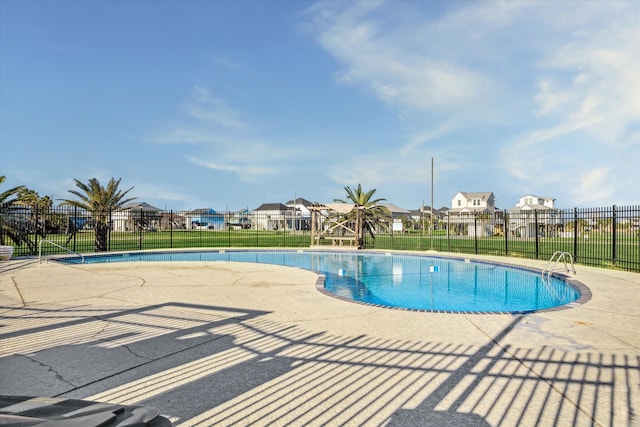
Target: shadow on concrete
(212,365)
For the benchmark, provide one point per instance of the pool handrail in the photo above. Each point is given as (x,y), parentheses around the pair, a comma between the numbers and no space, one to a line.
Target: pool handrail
(558,256)
(58,246)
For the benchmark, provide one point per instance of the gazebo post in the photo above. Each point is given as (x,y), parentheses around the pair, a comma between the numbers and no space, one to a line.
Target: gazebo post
(313,226)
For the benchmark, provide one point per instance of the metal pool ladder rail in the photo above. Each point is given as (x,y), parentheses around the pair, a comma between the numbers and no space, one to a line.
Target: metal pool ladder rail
(58,246)
(557,257)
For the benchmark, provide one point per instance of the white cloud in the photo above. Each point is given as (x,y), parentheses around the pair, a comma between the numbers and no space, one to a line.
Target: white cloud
(247,172)
(229,63)
(593,80)
(212,109)
(219,140)
(558,87)
(556,83)
(480,20)
(146,190)
(586,111)
(418,139)
(550,99)
(179,134)
(592,187)
(401,69)
(394,167)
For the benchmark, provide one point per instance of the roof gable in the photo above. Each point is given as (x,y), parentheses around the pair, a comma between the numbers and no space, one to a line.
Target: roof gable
(140,206)
(482,195)
(394,209)
(272,207)
(203,211)
(299,201)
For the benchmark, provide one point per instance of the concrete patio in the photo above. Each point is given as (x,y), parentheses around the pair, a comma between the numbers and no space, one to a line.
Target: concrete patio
(220,343)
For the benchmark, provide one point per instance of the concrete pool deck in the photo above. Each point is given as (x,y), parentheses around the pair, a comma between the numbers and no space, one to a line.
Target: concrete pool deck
(221,343)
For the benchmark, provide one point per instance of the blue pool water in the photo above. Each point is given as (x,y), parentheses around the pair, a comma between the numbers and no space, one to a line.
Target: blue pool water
(393,280)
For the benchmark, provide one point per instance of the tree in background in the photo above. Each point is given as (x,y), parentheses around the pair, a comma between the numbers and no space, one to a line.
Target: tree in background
(367,215)
(11,228)
(99,201)
(32,199)
(5,196)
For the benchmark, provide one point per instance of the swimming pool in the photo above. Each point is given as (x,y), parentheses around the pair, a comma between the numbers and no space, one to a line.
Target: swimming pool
(413,282)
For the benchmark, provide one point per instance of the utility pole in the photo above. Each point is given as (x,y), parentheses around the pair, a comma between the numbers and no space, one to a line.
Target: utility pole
(431,204)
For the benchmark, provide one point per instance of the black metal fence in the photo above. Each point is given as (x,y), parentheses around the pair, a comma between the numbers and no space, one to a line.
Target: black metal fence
(604,237)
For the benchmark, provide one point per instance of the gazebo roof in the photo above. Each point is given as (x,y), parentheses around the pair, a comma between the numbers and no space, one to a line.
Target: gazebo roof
(337,207)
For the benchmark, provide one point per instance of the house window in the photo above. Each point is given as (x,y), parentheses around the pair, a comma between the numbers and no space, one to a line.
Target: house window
(476,202)
(459,202)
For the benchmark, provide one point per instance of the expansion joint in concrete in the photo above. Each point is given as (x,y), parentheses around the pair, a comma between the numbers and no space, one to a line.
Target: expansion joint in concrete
(58,375)
(15,285)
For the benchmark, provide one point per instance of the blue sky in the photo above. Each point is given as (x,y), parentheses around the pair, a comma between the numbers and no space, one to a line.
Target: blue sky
(229,104)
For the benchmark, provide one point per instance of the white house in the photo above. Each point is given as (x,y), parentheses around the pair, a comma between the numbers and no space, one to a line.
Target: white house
(272,216)
(397,215)
(464,202)
(462,217)
(135,215)
(530,202)
(533,211)
(301,219)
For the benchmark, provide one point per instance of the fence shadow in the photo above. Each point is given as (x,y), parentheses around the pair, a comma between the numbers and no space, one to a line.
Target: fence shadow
(211,365)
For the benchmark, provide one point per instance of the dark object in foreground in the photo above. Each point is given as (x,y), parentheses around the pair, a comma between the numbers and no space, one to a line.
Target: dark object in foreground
(27,411)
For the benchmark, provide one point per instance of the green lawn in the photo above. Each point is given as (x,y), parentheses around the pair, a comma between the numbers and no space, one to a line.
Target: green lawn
(596,250)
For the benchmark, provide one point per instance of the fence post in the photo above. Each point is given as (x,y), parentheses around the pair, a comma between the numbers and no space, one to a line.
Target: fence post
(448,232)
(475,231)
(422,228)
(36,231)
(171,228)
(506,234)
(614,236)
(108,231)
(75,227)
(140,227)
(535,224)
(391,235)
(575,234)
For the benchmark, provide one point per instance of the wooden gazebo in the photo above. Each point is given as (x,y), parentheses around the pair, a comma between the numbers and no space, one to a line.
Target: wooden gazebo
(326,225)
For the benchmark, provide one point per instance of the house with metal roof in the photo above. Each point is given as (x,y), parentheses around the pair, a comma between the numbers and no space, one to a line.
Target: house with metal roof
(136,215)
(205,218)
(272,216)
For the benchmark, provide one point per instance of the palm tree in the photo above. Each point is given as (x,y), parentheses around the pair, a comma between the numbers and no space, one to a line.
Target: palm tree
(5,195)
(32,199)
(100,202)
(10,227)
(367,214)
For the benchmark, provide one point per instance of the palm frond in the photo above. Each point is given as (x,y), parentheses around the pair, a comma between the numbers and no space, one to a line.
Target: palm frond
(100,201)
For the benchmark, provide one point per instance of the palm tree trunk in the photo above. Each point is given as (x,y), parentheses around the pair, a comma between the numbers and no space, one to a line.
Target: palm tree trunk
(101,230)
(359,228)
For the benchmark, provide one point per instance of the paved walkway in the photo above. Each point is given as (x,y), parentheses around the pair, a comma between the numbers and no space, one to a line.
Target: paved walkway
(219,343)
